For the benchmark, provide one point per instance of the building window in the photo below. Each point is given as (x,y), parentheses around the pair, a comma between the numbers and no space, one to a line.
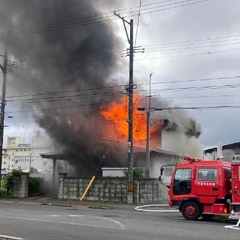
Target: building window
(16,161)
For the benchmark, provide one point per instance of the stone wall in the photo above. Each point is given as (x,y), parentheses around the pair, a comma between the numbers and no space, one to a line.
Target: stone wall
(20,186)
(146,191)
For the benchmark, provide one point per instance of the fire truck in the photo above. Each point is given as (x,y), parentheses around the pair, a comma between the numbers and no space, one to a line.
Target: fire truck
(205,188)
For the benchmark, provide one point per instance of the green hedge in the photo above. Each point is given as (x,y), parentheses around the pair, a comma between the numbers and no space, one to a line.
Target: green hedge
(34,186)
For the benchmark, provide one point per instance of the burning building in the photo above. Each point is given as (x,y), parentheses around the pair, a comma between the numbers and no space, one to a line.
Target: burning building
(70,60)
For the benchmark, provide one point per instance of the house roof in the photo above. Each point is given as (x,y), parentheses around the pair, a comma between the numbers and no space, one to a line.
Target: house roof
(224,147)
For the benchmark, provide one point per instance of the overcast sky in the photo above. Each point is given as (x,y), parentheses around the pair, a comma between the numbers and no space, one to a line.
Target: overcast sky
(195,42)
(192,47)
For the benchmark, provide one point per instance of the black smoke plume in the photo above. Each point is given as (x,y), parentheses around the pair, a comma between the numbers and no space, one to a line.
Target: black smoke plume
(70,60)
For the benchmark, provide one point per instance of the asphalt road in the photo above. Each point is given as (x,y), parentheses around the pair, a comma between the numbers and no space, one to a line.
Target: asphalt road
(35,222)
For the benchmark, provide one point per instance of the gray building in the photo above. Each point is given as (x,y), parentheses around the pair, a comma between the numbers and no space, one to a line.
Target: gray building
(229,151)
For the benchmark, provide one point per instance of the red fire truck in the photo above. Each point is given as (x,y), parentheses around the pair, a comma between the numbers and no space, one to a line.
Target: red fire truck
(205,188)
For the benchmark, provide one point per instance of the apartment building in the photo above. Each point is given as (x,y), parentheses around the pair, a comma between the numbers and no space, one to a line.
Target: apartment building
(24,156)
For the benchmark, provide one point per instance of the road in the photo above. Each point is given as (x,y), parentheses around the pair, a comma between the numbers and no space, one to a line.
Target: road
(35,222)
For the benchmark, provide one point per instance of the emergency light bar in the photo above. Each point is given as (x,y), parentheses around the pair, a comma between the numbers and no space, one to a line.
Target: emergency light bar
(190,159)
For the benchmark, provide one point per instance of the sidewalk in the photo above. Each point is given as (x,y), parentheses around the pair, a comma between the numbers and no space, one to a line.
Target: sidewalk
(54,201)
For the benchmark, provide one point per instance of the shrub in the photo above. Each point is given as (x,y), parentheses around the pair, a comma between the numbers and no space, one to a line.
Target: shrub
(33,186)
(8,181)
(33,170)
(137,173)
(4,194)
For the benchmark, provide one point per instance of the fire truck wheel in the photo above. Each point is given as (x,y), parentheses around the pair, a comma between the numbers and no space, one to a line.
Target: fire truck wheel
(191,210)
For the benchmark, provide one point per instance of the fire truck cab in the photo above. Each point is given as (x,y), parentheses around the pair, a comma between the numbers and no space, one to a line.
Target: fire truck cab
(201,188)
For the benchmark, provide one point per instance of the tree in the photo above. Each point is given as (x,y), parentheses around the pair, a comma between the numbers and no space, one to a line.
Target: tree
(33,170)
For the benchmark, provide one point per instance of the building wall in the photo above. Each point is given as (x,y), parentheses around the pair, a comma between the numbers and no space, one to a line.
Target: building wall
(25,162)
(113,172)
(158,161)
(13,142)
(226,153)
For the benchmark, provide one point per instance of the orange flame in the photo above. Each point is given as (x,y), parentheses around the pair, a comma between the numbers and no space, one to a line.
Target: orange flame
(117,114)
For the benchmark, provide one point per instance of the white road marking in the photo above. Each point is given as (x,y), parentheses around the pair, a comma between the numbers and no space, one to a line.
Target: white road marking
(117,222)
(10,237)
(52,215)
(121,226)
(75,215)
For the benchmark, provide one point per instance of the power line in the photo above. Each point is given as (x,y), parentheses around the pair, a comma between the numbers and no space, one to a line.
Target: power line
(196,88)
(139,13)
(191,54)
(196,41)
(61,92)
(112,94)
(54,95)
(190,47)
(78,104)
(163,108)
(168,8)
(194,80)
(100,18)
(213,123)
(206,96)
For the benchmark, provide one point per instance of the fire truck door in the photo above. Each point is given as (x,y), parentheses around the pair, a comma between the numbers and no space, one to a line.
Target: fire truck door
(206,182)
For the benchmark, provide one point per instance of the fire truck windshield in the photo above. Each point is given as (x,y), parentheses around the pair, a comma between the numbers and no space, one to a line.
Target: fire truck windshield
(182,181)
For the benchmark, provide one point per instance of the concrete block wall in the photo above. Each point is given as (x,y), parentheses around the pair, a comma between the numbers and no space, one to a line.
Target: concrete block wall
(146,191)
(20,186)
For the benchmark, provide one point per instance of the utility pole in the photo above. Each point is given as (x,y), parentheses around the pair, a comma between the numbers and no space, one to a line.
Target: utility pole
(4,71)
(148,123)
(30,160)
(130,110)
(148,130)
